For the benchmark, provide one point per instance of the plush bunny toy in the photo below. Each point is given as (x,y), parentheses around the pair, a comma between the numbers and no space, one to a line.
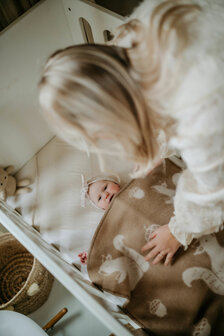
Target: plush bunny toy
(9,186)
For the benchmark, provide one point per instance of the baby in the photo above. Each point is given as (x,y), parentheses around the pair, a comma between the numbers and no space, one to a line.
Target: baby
(100,190)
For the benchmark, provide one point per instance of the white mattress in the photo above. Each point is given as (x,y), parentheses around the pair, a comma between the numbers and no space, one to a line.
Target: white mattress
(54,205)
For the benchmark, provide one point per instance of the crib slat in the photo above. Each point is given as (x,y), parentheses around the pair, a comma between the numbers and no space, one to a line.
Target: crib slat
(61,270)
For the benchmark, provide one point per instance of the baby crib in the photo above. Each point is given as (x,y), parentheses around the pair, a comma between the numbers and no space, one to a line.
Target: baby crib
(57,171)
(25,45)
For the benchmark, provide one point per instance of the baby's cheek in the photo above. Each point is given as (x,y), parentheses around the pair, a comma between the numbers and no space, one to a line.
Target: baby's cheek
(118,189)
(115,188)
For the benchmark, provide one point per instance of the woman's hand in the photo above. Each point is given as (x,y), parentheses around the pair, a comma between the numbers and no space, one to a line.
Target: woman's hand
(162,245)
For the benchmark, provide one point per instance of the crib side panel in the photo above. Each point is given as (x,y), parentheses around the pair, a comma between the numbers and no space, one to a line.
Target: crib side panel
(66,274)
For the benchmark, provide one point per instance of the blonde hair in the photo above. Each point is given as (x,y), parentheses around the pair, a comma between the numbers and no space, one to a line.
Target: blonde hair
(87,91)
(155,50)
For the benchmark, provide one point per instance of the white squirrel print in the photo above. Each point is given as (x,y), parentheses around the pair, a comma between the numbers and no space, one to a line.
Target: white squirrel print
(136,192)
(210,245)
(163,189)
(203,328)
(131,265)
(214,278)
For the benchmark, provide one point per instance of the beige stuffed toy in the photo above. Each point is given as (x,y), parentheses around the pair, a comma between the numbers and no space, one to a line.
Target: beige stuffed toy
(9,186)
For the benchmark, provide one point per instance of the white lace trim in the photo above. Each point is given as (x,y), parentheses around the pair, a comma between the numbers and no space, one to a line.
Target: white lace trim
(186,238)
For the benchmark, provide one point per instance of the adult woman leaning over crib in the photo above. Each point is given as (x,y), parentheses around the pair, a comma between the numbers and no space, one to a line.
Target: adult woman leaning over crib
(158,87)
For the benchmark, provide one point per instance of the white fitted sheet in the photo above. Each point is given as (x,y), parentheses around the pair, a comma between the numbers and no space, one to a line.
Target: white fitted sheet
(54,205)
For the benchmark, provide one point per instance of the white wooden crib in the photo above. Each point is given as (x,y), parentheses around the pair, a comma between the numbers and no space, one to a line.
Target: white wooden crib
(25,45)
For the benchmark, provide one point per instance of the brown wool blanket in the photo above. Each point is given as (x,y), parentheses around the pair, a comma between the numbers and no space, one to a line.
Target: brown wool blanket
(185,298)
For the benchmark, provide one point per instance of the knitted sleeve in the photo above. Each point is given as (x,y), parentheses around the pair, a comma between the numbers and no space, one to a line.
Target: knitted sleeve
(199,199)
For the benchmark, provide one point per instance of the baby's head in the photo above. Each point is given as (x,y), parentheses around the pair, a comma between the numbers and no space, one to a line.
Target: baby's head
(101,190)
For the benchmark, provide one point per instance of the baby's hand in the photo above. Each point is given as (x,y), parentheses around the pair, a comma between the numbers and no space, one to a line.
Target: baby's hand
(162,245)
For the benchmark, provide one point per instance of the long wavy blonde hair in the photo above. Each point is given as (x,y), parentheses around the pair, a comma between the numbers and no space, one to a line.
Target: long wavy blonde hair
(94,91)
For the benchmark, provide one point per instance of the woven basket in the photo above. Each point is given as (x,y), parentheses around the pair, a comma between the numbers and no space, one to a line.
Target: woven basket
(24,283)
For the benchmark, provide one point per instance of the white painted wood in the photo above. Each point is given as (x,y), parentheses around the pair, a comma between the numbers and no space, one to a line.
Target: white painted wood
(77,321)
(68,276)
(24,48)
(99,19)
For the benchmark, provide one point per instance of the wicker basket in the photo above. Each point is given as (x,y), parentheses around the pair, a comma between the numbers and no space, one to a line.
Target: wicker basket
(24,283)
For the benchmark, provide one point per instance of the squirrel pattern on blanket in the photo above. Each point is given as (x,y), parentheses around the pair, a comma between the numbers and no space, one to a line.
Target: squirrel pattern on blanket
(185,298)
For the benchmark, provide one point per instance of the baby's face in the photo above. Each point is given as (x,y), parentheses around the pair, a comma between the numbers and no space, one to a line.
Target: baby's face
(102,192)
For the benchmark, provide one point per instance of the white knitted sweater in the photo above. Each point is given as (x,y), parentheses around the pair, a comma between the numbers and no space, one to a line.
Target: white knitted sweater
(197,104)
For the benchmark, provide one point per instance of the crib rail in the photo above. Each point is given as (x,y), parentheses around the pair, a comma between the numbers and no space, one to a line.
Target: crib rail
(65,273)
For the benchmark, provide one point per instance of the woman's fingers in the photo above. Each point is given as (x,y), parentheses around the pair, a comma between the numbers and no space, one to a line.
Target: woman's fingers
(158,258)
(162,245)
(151,254)
(148,246)
(168,258)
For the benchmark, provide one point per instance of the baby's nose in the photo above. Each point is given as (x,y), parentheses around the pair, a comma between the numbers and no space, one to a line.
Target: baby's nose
(106,194)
